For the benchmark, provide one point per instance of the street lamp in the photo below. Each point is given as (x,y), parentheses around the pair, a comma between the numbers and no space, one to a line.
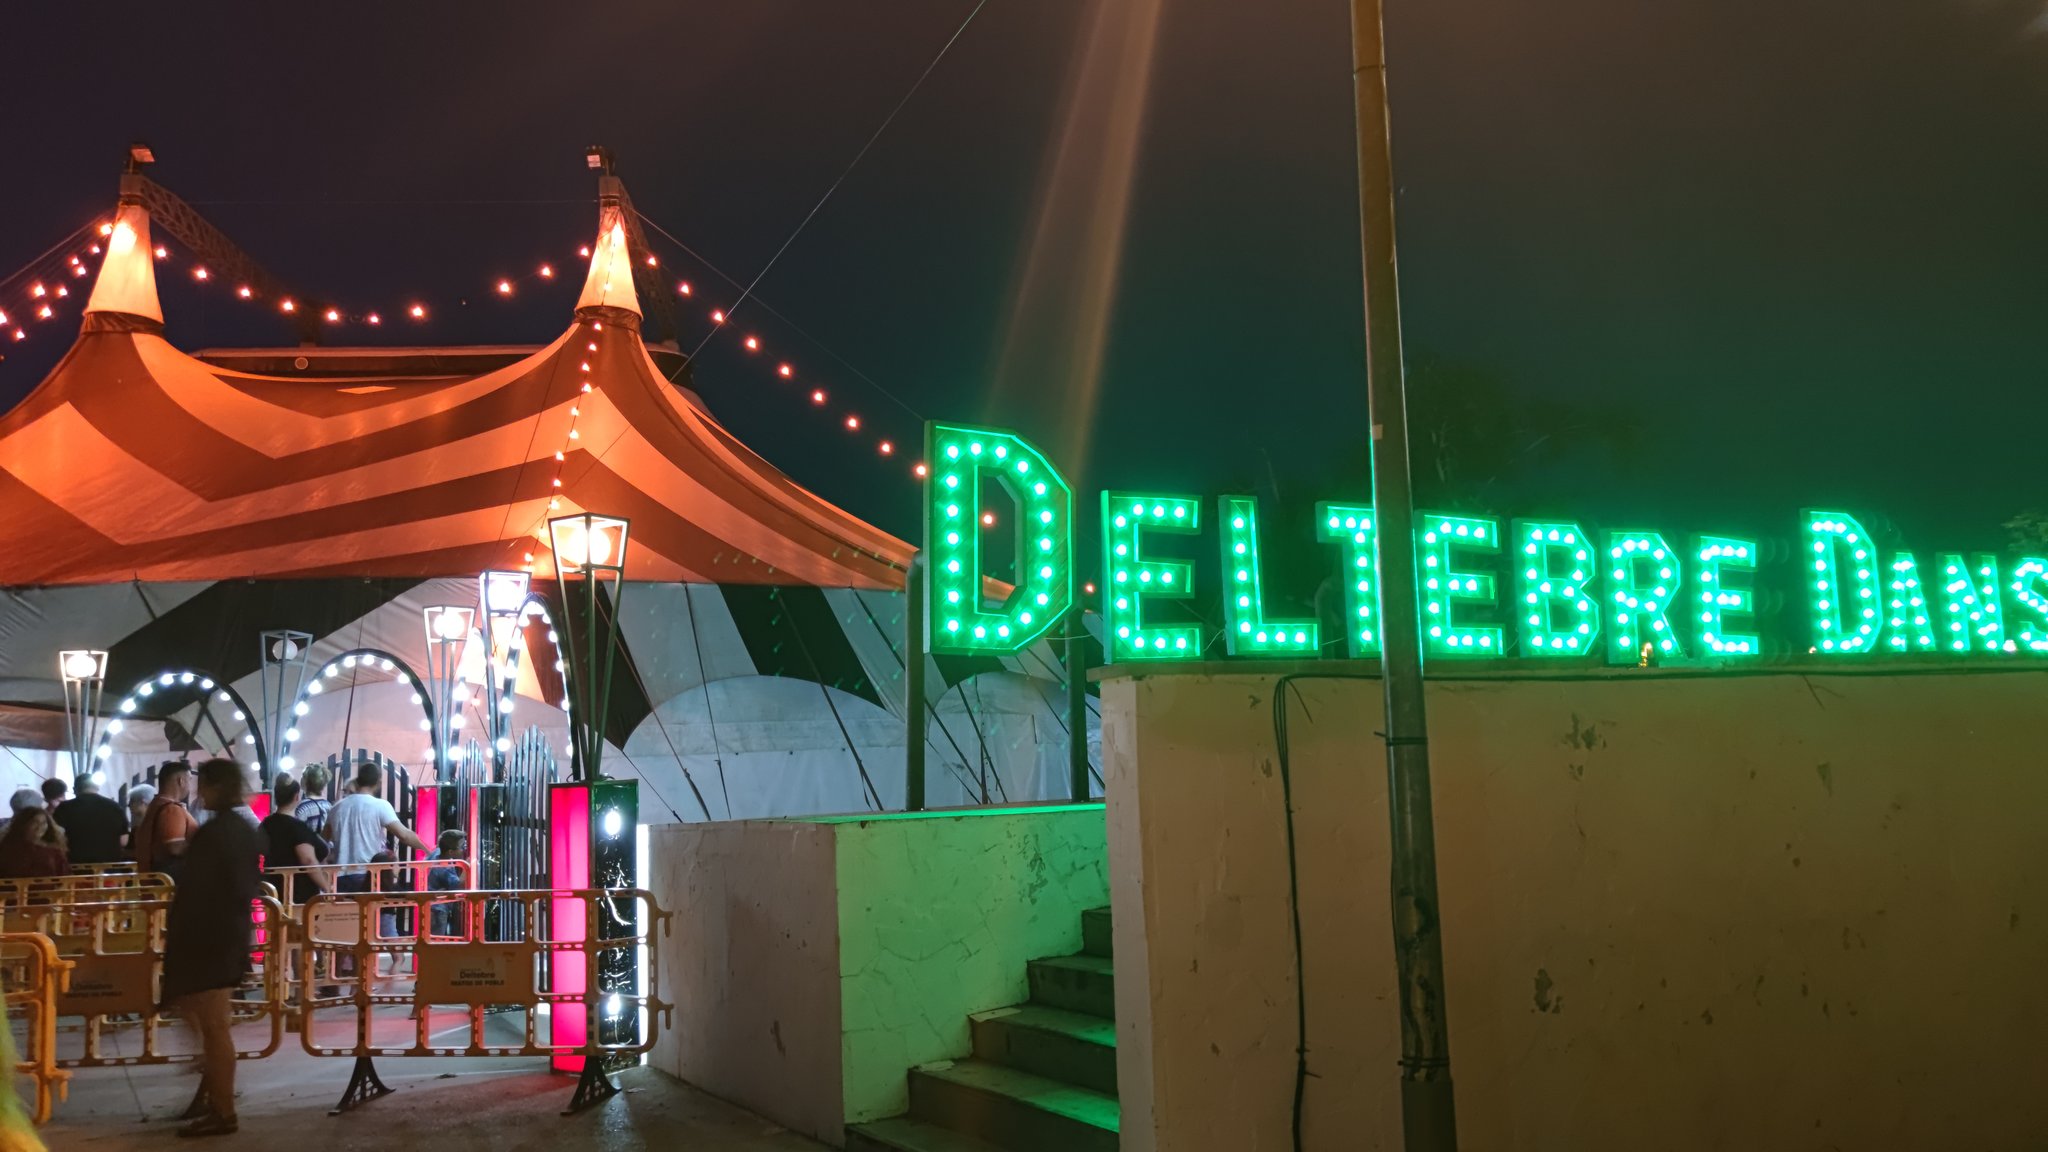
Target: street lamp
(592,547)
(447,627)
(84,673)
(285,656)
(592,822)
(503,598)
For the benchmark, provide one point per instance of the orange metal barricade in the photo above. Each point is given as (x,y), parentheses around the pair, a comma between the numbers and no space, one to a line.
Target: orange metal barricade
(117,951)
(34,978)
(459,969)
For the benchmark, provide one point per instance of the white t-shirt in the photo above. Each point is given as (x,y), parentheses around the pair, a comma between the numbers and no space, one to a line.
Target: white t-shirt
(356,827)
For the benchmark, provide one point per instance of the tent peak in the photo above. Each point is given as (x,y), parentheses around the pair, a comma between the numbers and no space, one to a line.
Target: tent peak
(610,282)
(127,278)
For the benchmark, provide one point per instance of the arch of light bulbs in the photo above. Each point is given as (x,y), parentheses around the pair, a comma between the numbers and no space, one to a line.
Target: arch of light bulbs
(187,680)
(354,663)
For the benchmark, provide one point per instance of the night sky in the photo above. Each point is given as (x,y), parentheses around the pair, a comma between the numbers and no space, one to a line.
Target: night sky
(1799,250)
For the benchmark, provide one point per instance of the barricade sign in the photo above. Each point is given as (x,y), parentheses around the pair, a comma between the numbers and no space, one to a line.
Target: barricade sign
(34,978)
(117,948)
(445,978)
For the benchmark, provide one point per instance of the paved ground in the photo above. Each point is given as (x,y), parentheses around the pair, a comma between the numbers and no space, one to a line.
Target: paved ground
(453,1105)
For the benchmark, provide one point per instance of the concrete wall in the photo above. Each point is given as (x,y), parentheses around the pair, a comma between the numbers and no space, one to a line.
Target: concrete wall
(814,962)
(752,966)
(1773,911)
(937,917)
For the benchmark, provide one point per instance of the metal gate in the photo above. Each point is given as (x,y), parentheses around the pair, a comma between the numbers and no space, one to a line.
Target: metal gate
(397,791)
(512,853)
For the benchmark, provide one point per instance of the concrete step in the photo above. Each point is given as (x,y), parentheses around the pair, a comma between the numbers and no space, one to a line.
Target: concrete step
(1012,1109)
(1075,983)
(905,1134)
(1051,1042)
(1095,932)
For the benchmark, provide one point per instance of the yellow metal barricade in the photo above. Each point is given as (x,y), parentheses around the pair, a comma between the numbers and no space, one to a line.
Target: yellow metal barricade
(456,967)
(400,877)
(118,970)
(34,977)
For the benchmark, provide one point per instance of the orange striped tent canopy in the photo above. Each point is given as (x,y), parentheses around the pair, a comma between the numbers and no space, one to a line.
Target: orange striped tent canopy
(136,461)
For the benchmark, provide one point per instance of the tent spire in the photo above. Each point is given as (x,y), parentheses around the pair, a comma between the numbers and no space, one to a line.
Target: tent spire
(127,279)
(610,283)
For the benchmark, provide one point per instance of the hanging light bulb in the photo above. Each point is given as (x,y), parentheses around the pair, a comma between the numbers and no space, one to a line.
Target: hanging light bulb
(373,319)
(333,315)
(784,371)
(546,272)
(244,292)
(683,289)
(418,312)
(717,316)
(853,423)
(753,344)
(199,273)
(289,306)
(886,448)
(504,287)
(818,397)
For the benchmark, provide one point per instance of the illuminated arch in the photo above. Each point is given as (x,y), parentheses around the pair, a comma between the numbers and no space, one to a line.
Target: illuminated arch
(187,682)
(354,662)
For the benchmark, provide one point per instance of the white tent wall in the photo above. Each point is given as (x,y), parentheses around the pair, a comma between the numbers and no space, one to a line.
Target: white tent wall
(38,623)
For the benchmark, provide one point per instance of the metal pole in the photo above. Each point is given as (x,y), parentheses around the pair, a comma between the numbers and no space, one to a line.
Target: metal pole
(915,717)
(1428,1114)
(1077,704)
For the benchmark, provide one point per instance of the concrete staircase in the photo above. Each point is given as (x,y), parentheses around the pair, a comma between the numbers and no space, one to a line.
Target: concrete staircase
(1042,1076)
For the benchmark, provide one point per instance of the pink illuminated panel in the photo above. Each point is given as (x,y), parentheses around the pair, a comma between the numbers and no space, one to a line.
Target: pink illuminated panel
(569,856)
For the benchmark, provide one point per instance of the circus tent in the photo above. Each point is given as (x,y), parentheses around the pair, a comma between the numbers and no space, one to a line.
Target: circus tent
(170,508)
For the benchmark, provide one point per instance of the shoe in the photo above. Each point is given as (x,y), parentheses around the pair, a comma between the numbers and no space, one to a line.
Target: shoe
(211,1124)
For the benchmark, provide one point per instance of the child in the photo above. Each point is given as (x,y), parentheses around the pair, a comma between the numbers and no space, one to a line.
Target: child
(448,918)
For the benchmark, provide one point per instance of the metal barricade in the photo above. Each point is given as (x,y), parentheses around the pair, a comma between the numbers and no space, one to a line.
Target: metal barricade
(398,877)
(113,868)
(81,887)
(455,966)
(118,970)
(34,976)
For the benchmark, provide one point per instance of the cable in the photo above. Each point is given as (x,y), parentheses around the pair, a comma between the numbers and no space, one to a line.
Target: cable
(799,329)
(52,250)
(1280,689)
(851,165)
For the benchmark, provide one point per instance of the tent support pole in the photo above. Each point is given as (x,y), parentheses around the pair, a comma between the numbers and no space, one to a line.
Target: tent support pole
(914,711)
(1077,704)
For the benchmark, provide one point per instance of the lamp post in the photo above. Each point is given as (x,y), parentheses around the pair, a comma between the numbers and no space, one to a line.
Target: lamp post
(592,822)
(592,548)
(285,655)
(84,673)
(448,629)
(502,595)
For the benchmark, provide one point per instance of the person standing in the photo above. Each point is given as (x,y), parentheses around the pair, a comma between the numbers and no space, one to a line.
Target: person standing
(288,843)
(166,826)
(25,850)
(139,797)
(208,938)
(314,804)
(358,827)
(94,825)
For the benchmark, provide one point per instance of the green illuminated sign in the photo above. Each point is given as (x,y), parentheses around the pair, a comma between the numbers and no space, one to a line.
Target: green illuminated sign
(958,618)
(1545,589)
(1133,579)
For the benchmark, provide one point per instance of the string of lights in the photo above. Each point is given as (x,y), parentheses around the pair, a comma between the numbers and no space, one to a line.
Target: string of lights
(46,286)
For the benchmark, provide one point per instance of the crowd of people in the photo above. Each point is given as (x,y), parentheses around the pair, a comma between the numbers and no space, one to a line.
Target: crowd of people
(196,826)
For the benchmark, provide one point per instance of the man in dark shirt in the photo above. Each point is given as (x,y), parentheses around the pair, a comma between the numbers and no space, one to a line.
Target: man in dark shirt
(93,824)
(206,948)
(288,843)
